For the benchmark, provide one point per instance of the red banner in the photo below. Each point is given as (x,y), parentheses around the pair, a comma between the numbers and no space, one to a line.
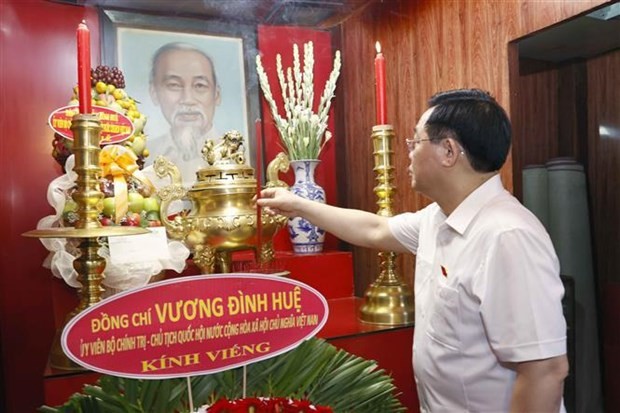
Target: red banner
(194,325)
(115,127)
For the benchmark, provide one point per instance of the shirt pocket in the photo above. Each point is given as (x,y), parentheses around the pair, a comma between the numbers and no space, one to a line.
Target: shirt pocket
(444,317)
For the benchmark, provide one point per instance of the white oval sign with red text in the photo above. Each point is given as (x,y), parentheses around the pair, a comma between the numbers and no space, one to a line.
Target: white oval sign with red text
(194,325)
(115,127)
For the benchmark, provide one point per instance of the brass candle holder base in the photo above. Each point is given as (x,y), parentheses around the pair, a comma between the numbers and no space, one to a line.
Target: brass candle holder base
(388,300)
(88,265)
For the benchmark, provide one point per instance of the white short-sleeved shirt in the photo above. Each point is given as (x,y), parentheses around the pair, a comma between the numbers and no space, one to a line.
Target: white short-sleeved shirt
(487,290)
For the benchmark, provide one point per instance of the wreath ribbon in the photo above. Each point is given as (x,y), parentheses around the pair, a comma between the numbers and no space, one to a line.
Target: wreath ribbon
(117,161)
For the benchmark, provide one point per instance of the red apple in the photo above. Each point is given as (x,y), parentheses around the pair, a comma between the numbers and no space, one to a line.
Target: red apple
(132,219)
(106,221)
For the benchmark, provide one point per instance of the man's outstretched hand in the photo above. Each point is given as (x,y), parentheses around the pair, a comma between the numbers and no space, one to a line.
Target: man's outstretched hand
(280,201)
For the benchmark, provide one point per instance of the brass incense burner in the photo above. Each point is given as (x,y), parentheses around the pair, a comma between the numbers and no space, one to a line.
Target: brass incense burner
(224,217)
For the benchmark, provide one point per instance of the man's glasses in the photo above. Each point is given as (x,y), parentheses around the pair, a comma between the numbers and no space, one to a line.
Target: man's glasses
(411,143)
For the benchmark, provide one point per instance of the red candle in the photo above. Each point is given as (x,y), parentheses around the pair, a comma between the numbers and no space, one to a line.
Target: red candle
(380,86)
(83,47)
(258,174)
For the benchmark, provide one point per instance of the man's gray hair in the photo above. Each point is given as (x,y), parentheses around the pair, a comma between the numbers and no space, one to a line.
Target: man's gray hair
(179,46)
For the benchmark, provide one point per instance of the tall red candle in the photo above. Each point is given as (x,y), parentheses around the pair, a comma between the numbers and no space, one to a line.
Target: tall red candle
(83,47)
(380,86)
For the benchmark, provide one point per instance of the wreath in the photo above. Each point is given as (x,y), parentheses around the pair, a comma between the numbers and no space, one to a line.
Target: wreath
(315,375)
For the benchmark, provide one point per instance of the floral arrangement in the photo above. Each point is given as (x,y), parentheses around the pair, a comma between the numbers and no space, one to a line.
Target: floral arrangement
(265,405)
(302,131)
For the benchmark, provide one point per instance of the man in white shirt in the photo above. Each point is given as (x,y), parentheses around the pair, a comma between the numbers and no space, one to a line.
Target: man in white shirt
(490,335)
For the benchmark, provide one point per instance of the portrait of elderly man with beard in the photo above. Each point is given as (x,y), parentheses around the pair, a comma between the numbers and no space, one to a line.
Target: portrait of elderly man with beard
(183,84)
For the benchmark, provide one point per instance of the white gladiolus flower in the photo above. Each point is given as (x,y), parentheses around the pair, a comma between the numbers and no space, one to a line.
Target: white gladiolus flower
(303,132)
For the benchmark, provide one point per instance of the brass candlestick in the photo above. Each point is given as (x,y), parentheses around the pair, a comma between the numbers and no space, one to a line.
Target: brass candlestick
(388,300)
(88,265)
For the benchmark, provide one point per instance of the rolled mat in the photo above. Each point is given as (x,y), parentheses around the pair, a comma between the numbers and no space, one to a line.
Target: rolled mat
(536,192)
(569,227)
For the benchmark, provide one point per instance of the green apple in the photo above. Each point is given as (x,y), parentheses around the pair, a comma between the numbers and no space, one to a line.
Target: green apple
(151,204)
(152,216)
(136,202)
(109,207)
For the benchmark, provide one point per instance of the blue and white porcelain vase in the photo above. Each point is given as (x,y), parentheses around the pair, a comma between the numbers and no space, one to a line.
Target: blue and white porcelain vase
(305,237)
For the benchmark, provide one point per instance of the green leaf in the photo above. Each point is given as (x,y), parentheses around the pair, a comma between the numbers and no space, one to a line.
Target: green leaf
(315,370)
(132,391)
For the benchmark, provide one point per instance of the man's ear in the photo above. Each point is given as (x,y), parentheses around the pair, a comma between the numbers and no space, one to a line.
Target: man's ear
(218,96)
(153,94)
(450,150)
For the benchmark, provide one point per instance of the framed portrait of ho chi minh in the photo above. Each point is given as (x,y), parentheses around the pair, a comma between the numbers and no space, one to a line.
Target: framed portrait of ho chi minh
(194,79)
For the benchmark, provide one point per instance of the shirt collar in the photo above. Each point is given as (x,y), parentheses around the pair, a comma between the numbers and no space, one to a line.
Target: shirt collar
(465,212)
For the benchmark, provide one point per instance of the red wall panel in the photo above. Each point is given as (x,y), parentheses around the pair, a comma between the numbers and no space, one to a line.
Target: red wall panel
(38,69)
(274,40)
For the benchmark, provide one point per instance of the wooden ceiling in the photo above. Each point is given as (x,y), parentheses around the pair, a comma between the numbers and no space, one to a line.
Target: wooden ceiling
(309,13)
